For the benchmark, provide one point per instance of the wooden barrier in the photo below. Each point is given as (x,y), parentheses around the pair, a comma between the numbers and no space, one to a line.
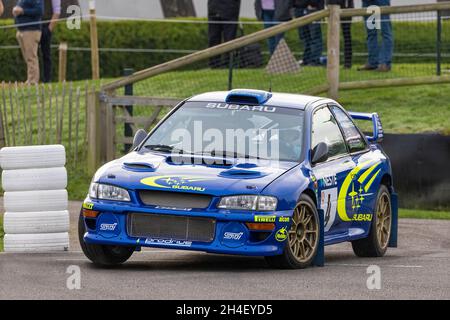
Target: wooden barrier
(334,29)
(95,60)
(265,34)
(62,68)
(42,114)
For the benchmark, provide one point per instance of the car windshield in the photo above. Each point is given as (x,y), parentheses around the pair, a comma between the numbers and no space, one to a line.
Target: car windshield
(231,130)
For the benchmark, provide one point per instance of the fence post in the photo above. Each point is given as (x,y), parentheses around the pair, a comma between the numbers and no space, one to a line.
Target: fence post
(93,131)
(128,130)
(439,44)
(62,68)
(2,131)
(95,61)
(333,44)
(230,70)
(109,135)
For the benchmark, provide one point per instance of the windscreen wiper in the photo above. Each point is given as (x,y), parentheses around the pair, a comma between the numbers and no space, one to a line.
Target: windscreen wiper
(230,154)
(160,147)
(166,149)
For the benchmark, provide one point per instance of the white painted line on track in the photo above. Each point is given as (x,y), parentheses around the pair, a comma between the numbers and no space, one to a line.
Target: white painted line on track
(366,265)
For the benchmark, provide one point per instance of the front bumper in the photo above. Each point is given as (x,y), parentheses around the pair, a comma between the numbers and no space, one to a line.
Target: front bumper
(110,228)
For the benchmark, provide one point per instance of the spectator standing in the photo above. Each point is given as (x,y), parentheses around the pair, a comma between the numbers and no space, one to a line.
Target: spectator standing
(28,17)
(219,13)
(52,11)
(346,24)
(311,34)
(273,12)
(380,56)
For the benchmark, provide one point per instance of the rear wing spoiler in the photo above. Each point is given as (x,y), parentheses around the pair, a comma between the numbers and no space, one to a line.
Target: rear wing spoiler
(378,133)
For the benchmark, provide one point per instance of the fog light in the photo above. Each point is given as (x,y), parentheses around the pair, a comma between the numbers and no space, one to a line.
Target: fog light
(260,226)
(90,213)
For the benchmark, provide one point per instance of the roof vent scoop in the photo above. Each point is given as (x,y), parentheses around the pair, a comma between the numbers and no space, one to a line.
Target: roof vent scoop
(252,97)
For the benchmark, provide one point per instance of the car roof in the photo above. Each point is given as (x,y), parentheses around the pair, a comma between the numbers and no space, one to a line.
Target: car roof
(286,100)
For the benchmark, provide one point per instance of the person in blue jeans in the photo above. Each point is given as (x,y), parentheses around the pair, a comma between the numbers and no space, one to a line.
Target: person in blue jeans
(273,12)
(311,34)
(380,55)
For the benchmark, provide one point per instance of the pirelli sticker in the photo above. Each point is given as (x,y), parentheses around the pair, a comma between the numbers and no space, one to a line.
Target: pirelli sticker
(88,205)
(265,218)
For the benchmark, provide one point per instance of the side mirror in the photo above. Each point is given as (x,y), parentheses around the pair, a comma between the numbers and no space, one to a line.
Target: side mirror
(138,138)
(319,153)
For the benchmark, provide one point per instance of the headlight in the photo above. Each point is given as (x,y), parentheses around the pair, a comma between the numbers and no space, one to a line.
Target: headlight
(247,202)
(108,192)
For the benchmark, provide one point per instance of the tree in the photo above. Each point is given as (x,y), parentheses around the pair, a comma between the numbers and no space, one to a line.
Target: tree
(178,8)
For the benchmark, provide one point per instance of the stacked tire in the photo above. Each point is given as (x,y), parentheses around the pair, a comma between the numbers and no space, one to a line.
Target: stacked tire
(34,181)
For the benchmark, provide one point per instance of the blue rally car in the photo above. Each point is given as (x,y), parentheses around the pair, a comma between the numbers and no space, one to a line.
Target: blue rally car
(319,181)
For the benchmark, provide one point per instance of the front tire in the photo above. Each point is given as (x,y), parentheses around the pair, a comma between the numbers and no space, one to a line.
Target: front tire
(375,245)
(102,255)
(303,238)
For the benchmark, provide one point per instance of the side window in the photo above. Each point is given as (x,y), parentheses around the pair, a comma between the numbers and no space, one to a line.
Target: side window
(325,129)
(352,135)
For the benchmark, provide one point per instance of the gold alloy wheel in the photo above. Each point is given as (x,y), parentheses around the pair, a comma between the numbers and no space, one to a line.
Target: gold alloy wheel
(384,220)
(304,232)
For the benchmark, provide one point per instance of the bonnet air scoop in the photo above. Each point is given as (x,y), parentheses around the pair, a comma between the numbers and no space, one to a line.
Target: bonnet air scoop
(243,171)
(252,97)
(140,166)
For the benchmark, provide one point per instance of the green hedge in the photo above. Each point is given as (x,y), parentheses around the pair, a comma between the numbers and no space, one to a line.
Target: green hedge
(411,37)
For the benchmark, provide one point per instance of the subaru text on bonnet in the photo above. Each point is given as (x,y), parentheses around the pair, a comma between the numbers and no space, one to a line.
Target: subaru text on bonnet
(297,174)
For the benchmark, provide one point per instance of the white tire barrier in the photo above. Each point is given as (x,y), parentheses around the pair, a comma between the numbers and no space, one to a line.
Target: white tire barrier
(41,200)
(32,157)
(38,242)
(34,179)
(36,222)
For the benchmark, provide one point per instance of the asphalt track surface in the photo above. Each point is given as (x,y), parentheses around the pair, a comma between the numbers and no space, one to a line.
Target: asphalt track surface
(418,269)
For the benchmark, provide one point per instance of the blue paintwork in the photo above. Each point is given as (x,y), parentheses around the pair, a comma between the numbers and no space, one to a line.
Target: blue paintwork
(287,182)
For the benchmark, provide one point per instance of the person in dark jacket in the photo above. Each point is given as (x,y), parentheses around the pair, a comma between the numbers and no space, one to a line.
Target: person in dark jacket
(311,34)
(28,17)
(273,12)
(219,13)
(52,11)
(346,24)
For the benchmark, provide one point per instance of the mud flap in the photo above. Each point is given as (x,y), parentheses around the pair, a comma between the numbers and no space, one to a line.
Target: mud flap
(394,225)
(319,260)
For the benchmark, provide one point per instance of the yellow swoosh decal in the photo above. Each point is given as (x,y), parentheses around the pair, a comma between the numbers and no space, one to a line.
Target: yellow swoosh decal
(151,181)
(342,197)
(367,173)
(367,186)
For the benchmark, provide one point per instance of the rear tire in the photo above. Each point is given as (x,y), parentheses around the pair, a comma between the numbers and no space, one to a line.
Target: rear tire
(102,255)
(303,238)
(375,245)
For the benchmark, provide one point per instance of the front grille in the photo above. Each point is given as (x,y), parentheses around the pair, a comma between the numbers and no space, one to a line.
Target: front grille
(171,227)
(174,199)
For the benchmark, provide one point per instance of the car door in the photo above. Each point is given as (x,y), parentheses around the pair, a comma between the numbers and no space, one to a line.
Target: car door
(360,201)
(332,173)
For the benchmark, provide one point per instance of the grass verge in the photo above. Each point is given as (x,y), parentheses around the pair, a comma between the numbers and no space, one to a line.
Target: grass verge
(423,214)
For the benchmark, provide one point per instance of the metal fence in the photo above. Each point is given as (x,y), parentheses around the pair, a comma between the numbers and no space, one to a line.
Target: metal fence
(421,53)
